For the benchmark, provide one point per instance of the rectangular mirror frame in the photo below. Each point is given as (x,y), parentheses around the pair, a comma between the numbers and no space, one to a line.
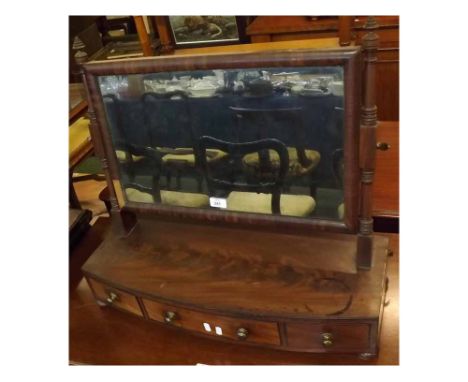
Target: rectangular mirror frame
(349,58)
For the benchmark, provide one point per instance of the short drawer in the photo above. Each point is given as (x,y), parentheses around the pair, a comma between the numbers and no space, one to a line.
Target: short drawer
(115,297)
(329,337)
(214,325)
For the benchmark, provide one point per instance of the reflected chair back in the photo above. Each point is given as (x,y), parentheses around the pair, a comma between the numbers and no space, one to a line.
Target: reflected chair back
(236,151)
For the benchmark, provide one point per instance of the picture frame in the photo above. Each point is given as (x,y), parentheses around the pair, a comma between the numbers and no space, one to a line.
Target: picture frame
(198,31)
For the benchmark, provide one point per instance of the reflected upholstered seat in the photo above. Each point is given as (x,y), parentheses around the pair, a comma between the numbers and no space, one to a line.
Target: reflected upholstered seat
(290,205)
(252,161)
(173,198)
(254,194)
(136,192)
(169,156)
(341,211)
(187,156)
(122,156)
(182,160)
(176,160)
(253,116)
(128,119)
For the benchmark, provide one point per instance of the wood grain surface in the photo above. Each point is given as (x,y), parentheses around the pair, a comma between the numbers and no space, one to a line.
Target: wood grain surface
(263,274)
(107,336)
(325,31)
(258,332)
(386,182)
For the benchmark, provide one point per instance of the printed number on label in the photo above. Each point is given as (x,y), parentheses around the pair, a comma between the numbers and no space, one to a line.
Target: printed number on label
(218,202)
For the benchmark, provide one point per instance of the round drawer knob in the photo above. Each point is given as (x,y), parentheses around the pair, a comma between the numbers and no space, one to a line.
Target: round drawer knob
(242,333)
(383,146)
(112,297)
(327,339)
(170,317)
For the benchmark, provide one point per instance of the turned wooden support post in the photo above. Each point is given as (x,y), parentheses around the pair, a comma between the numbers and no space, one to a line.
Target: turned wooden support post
(164,32)
(103,152)
(143,36)
(367,145)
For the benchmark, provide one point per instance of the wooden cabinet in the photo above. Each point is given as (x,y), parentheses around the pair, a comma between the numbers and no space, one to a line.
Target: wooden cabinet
(287,28)
(386,183)
(294,307)
(129,339)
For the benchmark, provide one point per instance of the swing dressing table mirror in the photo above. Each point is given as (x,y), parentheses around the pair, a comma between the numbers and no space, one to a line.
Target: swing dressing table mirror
(240,188)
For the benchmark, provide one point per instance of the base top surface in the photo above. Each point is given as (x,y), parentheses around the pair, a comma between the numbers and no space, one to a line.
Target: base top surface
(243,272)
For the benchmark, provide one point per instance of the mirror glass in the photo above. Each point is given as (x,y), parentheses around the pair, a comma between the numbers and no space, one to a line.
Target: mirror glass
(262,140)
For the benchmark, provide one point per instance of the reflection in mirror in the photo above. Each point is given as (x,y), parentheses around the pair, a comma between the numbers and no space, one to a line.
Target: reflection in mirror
(266,140)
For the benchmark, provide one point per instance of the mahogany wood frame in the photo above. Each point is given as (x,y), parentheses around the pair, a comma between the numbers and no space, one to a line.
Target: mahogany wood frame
(349,58)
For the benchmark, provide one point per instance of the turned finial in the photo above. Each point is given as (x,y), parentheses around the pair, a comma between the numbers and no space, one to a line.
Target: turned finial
(371,23)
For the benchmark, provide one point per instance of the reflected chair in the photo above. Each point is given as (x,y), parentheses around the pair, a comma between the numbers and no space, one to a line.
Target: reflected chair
(261,196)
(129,163)
(167,118)
(302,160)
(136,192)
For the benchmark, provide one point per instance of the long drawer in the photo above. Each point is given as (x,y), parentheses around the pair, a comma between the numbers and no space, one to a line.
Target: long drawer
(214,324)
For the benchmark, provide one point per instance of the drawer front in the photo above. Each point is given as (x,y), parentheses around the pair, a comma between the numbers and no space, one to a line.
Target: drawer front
(115,297)
(329,337)
(214,325)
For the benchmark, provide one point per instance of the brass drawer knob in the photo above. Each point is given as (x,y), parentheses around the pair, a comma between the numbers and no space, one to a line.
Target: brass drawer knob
(242,333)
(112,297)
(327,339)
(384,146)
(169,317)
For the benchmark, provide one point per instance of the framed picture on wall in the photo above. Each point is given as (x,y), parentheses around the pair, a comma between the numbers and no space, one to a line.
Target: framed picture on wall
(206,30)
